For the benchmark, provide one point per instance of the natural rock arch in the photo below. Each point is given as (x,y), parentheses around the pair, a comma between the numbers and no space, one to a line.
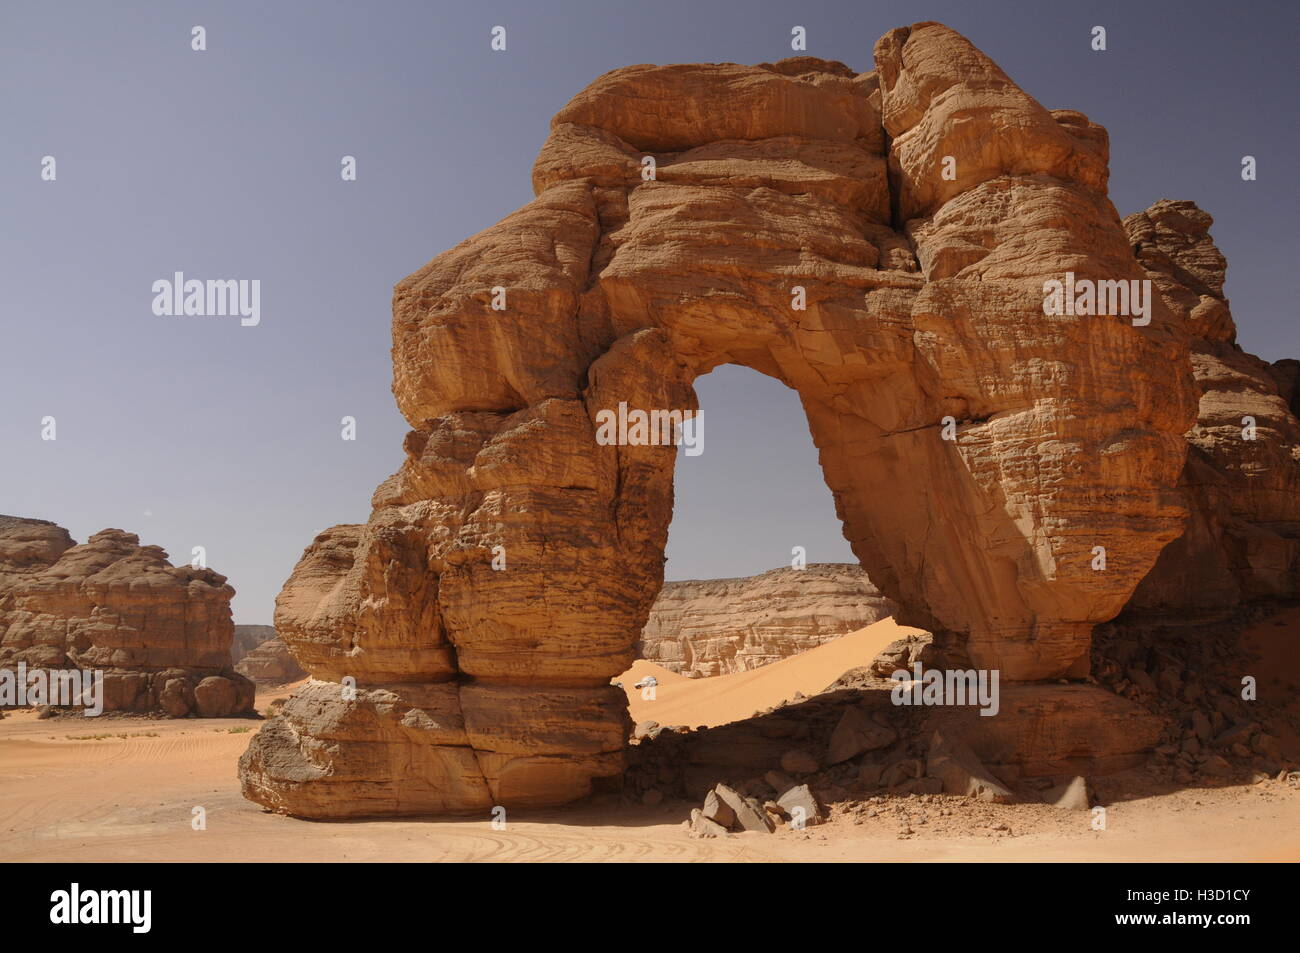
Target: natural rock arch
(477,686)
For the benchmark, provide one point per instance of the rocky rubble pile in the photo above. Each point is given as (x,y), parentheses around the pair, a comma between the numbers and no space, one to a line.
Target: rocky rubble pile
(1192,677)
(850,751)
(726,809)
(841,745)
(864,767)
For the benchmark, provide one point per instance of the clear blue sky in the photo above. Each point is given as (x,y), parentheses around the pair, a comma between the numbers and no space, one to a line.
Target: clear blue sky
(226,163)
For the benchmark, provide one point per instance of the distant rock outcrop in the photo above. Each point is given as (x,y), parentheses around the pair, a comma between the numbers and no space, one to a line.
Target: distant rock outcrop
(161,634)
(703,627)
(271,662)
(249,637)
(1242,476)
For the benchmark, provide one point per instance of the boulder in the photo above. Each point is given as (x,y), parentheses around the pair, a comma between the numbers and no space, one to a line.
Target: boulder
(215,697)
(706,827)
(899,655)
(802,806)
(1071,795)
(797,761)
(718,810)
(646,729)
(856,733)
(749,814)
(960,771)
(176,698)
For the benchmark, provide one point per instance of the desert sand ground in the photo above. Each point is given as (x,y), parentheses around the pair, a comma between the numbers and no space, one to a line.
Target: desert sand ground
(123,789)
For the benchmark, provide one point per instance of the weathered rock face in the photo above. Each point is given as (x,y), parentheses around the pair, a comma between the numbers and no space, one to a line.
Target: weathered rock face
(775,185)
(704,627)
(270,662)
(1242,477)
(160,633)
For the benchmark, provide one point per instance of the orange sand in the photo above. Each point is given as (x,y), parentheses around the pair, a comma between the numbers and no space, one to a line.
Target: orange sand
(67,795)
(696,702)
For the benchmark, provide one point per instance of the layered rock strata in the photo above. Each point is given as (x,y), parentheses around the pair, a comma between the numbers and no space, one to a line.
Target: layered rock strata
(704,627)
(161,634)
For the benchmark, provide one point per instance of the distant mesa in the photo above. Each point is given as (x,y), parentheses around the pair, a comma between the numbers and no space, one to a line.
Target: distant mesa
(270,663)
(260,654)
(707,627)
(249,637)
(160,633)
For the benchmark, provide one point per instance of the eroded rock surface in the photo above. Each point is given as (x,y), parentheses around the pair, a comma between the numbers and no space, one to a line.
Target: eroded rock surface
(1242,477)
(704,627)
(924,306)
(160,633)
(270,662)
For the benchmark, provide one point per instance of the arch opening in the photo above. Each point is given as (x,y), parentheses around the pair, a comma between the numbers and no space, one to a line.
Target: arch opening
(757,566)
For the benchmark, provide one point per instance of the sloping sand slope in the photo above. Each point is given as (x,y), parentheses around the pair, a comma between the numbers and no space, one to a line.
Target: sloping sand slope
(696,702)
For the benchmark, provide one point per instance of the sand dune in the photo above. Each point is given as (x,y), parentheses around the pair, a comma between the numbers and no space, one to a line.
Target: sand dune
(696,702)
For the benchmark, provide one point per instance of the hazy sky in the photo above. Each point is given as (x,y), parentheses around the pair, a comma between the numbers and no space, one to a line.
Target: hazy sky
(225,163)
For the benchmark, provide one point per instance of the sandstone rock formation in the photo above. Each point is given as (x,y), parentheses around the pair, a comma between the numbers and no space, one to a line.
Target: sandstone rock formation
(703,627)
(917,211)
(249,637)
(271,662)
(1242,476)
(160,633)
